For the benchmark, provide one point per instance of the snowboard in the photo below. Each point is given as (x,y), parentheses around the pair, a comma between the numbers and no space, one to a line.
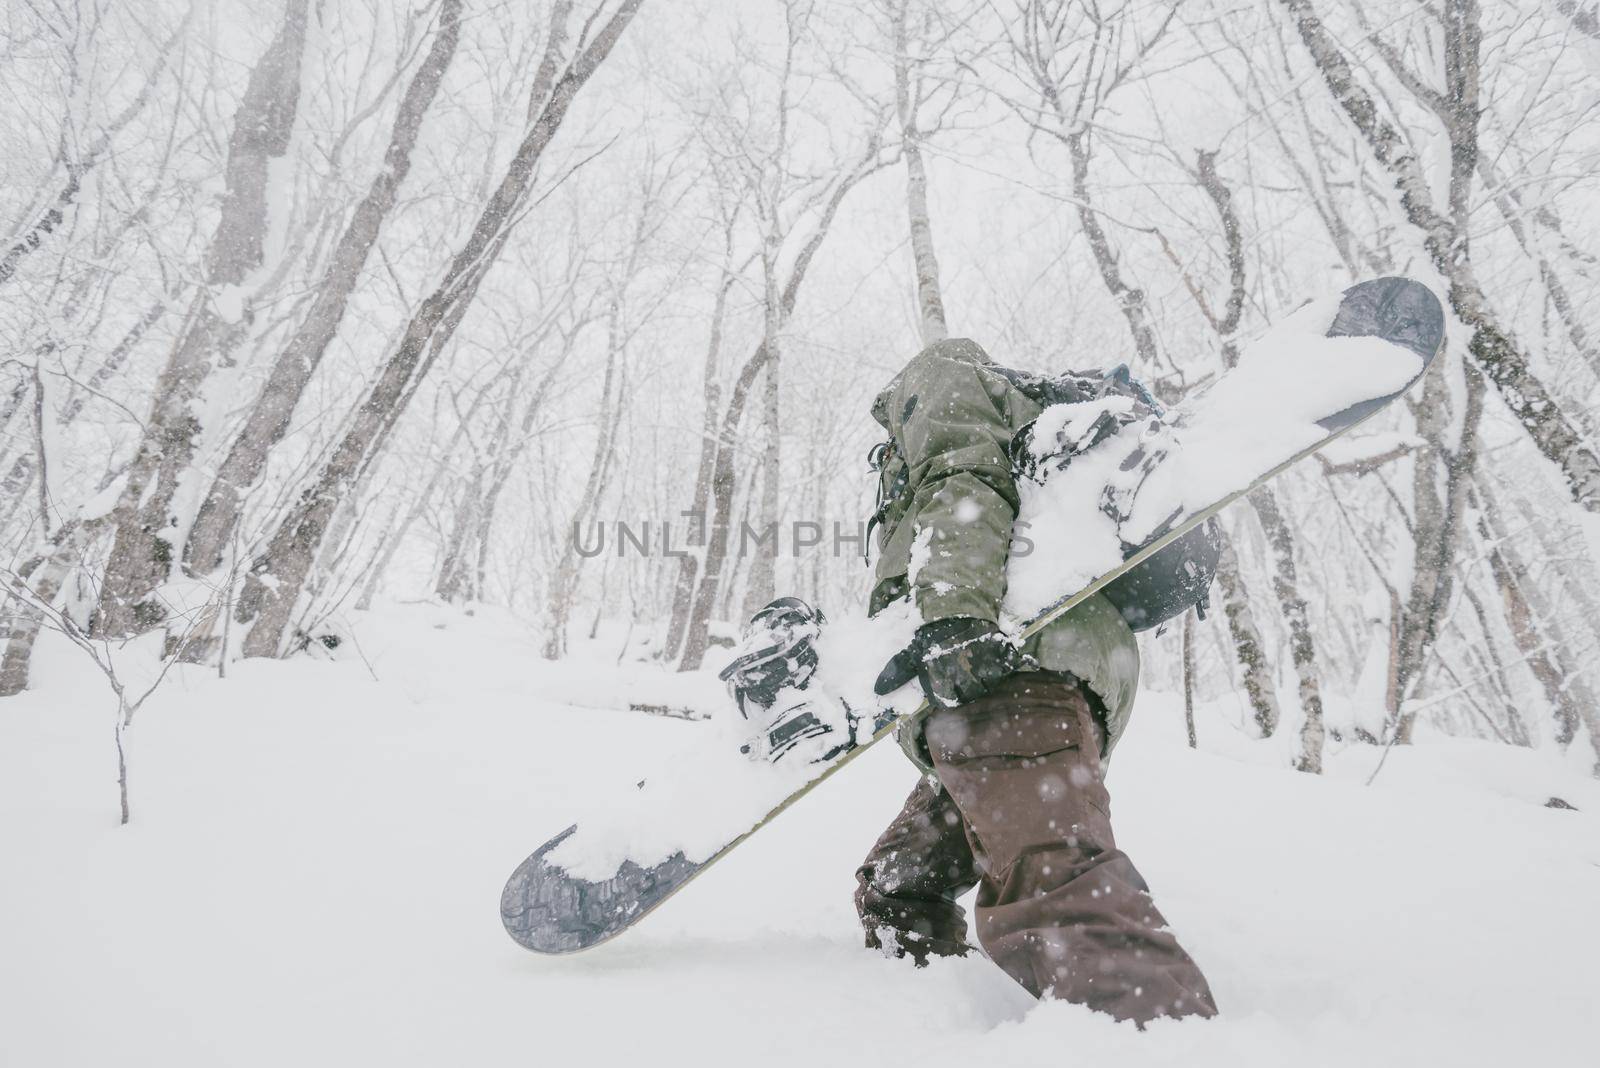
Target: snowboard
(1313,377)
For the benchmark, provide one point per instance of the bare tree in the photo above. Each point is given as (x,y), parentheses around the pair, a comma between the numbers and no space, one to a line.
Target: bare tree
(143,550)
(1072,58)
(35,602)
(268,419)
(278,573)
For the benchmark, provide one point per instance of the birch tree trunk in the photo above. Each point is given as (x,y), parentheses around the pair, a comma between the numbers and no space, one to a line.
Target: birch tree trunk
(1302,646)
(1248,646)
(455,584)
(1130,299)
(930,298)
(761,582)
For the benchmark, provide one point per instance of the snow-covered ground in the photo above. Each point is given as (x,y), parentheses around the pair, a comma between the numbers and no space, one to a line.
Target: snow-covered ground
(314,863)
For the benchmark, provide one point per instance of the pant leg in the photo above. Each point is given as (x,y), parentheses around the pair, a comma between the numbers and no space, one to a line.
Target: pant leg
(907,887)
(1060,908)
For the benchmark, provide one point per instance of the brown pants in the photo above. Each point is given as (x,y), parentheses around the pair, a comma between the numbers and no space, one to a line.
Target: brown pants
(1021,812)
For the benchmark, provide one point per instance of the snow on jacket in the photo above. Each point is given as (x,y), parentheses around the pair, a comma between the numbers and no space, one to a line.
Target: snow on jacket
(949,498)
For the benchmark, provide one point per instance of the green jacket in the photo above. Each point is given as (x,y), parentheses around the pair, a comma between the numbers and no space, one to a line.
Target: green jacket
(949,499)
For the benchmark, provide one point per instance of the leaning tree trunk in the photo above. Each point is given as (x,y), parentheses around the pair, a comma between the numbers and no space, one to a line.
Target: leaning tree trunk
(268,419)
(142,550)
(279,573)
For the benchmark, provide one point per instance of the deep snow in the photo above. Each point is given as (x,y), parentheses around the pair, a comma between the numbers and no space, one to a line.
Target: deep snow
(315,858)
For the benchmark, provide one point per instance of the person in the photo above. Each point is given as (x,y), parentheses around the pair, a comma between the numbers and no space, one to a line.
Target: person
(1015,801)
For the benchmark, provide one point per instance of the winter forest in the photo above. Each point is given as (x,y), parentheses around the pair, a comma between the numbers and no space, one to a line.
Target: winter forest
(553,328)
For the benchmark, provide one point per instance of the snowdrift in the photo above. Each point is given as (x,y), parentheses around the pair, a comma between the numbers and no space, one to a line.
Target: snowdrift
(311,875)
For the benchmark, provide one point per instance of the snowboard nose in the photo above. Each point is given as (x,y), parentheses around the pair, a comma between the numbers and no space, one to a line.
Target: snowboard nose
(1399,310)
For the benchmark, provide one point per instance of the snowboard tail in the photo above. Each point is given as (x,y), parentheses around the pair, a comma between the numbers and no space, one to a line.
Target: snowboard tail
(548,909)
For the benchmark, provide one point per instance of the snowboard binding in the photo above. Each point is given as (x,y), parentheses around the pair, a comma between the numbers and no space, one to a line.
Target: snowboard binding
(768,679)
(775,653)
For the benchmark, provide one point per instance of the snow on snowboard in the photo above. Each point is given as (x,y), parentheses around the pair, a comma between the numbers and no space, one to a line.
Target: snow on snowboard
(1121,500)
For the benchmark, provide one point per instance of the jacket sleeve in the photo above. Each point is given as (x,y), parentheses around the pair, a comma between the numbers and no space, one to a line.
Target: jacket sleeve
(948,419)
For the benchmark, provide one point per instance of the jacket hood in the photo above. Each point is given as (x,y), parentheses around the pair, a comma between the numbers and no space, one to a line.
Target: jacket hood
(954,348)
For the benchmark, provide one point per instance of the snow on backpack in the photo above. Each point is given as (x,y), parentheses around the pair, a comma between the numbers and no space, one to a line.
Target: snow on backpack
(1179,575)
